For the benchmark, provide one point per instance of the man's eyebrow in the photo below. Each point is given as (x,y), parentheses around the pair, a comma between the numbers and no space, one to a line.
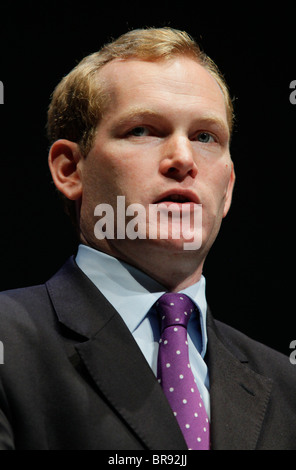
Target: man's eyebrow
(215,121)
(136,113)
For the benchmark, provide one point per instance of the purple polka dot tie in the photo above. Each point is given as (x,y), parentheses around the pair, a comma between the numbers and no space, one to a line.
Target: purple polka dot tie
(174,371)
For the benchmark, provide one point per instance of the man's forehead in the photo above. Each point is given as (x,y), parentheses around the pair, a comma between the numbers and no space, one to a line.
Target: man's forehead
(186,70)
(181,76)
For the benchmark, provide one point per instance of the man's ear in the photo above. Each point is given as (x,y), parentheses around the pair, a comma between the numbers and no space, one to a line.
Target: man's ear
(63,159)
(229,191)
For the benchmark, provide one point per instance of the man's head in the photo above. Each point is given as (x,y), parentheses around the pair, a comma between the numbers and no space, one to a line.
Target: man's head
(148,118)
(81,97)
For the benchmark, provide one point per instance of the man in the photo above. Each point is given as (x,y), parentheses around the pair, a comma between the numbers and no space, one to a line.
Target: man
(144,123)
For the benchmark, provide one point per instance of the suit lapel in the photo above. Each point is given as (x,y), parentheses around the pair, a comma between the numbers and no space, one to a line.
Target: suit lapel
(239,396)
(123,375)
(114,360)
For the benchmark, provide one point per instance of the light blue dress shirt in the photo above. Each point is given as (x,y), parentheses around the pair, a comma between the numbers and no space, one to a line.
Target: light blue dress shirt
(124,286)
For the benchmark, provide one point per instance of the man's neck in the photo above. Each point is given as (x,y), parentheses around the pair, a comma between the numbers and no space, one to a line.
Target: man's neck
(170,276)
(175,270)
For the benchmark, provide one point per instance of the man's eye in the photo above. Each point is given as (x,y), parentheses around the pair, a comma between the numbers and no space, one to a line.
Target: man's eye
(139,131)
(205,138)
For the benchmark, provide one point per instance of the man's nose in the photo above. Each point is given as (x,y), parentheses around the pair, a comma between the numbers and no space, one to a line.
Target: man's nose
(178,158)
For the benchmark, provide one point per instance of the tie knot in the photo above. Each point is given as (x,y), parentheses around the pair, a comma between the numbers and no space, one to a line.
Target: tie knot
(174,309)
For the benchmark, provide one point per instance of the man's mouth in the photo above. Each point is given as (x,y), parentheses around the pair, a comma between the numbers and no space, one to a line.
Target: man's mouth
(179,197)
(174,198)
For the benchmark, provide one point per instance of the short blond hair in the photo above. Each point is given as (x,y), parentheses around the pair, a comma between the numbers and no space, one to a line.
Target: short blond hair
(80,98)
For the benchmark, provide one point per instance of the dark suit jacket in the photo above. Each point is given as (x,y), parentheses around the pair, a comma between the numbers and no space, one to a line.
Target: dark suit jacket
(74,378)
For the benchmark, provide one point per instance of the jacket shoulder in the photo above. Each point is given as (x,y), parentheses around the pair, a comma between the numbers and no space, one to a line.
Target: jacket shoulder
(260,358)
(26,318)
(32,300)
(22,299)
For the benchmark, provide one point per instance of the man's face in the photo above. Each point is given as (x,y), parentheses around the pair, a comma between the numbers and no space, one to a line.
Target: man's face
(163,137)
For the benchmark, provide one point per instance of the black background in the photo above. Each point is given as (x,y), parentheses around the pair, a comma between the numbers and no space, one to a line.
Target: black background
(250,270)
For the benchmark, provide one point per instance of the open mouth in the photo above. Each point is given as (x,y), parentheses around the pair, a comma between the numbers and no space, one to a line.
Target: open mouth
(178,196)
(175,198)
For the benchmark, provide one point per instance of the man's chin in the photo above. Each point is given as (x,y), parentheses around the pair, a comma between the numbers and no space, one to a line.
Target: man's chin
(168,245)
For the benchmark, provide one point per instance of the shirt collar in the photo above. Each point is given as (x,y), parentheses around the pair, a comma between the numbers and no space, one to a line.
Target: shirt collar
(124,285)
